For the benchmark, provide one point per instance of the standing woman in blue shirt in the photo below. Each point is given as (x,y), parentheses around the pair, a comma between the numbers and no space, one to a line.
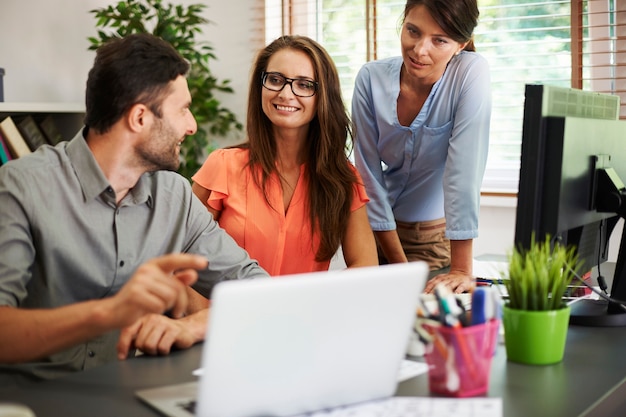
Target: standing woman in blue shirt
(422,135)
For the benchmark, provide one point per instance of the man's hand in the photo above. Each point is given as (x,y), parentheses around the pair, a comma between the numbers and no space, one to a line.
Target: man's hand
(156,334)
(157,286)
(457,281)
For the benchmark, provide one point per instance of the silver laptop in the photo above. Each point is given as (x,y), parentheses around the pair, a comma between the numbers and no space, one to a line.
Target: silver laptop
(300,343)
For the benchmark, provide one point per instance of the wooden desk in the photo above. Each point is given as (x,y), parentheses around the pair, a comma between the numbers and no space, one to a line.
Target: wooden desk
(593,367)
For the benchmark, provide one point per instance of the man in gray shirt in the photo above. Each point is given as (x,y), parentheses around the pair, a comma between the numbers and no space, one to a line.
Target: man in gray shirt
(97,234)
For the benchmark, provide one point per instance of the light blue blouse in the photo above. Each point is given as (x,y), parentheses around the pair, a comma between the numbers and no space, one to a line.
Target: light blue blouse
(434,167)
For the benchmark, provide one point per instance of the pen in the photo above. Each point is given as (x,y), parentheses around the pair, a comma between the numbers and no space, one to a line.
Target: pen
(463,315)
(427,308)
(433,335)
(461,342)
(422,334)
(451,309)
(483,282)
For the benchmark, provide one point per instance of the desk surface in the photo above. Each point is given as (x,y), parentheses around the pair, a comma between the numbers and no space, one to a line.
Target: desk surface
(593,367)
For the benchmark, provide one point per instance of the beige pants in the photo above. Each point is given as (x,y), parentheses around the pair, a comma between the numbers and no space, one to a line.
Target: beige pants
(423,241)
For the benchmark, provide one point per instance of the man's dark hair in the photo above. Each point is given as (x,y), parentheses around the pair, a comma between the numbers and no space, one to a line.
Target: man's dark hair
(135,69)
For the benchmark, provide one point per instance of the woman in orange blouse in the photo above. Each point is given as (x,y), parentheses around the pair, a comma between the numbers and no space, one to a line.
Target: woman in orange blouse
(289,195)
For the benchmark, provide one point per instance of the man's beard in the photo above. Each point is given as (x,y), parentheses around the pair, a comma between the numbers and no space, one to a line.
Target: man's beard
(161,151)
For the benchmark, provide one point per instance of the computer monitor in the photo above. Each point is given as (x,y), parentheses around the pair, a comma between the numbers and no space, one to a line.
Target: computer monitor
(573,162)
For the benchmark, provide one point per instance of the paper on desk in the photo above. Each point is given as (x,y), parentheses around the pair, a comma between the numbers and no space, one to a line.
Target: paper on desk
(413,406)
(418,407)
(490,269)
(408,369)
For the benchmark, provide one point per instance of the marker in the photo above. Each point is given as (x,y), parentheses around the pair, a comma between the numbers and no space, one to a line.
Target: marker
(441,291)
(431,334)
(453,311)
(496,299)
(481,302)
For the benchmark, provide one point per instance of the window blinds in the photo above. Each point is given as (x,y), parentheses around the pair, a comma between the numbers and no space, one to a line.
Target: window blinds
(599,47)
(566,43)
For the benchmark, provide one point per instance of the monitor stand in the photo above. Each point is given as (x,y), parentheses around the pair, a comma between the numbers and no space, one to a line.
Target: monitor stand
(594,313)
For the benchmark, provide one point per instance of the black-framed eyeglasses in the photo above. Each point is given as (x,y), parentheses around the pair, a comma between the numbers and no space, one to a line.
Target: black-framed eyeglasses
(301,87)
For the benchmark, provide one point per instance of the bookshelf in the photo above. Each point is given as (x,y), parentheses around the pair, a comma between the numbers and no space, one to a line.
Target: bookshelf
(68,117)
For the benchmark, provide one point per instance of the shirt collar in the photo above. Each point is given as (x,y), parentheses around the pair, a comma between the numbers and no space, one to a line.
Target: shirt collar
(93,181)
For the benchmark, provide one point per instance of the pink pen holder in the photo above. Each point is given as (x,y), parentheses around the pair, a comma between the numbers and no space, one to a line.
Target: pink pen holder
(459,358)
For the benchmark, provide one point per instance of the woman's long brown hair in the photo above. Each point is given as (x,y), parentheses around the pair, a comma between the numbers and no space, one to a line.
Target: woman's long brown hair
(331,180)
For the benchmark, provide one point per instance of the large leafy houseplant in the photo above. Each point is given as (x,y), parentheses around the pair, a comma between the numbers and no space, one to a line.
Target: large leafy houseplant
(179,26)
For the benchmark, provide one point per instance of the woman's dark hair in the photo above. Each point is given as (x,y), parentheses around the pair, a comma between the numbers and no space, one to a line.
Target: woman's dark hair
(331,180)
(135,69)
(458,18)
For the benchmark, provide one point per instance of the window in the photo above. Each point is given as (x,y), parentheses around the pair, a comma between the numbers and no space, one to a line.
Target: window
(567,43)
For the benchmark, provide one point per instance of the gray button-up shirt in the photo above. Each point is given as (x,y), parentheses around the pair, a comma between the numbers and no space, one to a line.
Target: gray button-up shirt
(64,240)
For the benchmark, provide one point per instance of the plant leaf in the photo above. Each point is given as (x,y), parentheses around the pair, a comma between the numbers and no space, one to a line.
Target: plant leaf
(177,25)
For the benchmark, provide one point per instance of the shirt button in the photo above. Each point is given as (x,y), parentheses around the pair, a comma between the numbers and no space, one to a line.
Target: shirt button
(91,353)
(121,263)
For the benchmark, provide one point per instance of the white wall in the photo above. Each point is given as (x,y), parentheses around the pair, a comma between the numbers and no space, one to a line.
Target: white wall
(43,49)
(497,228)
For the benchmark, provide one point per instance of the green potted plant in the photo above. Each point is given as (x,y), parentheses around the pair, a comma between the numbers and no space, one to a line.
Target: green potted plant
(179,26)
(535,317)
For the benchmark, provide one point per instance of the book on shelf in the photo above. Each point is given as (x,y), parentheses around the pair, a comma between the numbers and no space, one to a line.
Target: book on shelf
(31,132)
(50,130)
(5,155)
(13,137)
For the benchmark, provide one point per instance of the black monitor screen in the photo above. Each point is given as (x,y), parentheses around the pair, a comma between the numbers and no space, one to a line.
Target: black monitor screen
(572,164)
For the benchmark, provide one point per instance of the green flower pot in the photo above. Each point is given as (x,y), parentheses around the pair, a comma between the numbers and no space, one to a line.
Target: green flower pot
(535,337)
